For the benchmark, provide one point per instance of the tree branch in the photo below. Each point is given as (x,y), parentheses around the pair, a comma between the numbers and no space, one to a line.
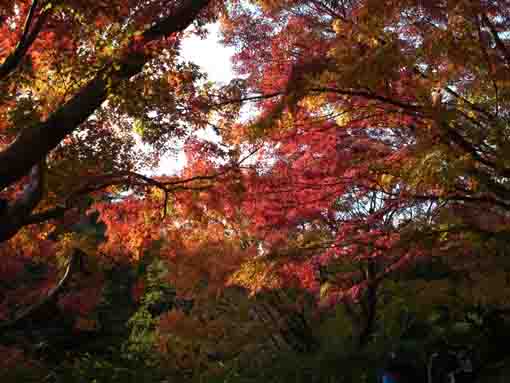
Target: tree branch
(35,142)
(369,96)
(127,178)
(26,40)
(16,213)
(499,43)
(369,305)
(72,266)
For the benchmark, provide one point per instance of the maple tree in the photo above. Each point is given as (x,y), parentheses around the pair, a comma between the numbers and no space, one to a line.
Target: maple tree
(381,132)
(91,96)
(376,144)
(78,85)
(69,73)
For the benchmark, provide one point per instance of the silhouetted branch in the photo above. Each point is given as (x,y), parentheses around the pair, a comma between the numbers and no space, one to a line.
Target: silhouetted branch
(72,266)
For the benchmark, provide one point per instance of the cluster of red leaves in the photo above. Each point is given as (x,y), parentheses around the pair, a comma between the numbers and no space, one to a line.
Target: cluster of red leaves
(82,301)
(354,146)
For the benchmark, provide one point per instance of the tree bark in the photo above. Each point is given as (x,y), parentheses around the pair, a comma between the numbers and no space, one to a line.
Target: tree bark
(14,214)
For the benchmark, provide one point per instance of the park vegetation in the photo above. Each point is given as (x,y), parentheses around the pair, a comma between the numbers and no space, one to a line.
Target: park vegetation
(351,197)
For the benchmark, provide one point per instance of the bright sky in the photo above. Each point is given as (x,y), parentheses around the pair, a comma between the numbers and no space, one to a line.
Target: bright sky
(209,54)
(214,59)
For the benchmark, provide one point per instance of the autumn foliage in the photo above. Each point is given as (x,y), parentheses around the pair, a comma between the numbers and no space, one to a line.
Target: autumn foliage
(360,154)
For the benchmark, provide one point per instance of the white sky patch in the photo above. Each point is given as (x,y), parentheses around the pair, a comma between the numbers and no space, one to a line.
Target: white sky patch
(210,55)
(215,60)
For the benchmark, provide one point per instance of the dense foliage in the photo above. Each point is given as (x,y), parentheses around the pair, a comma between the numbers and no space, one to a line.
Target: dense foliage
(351,197)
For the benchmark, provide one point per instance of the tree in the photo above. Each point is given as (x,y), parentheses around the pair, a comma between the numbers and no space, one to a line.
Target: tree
(382,134)
(377,141)
(73,78)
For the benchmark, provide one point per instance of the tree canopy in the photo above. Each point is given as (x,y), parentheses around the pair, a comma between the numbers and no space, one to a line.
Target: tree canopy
(359,169)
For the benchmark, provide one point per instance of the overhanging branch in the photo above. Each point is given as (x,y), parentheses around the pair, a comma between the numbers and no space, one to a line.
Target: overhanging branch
(35,142)
(72,267)
(100,182)
(28,37)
